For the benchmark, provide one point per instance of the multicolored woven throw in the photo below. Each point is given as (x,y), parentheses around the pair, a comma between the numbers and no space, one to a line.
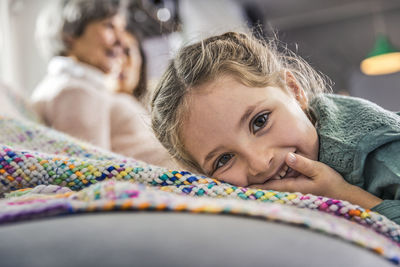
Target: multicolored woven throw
(46,173)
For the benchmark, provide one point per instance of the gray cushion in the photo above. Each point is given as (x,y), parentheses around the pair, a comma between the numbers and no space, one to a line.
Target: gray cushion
(173,239)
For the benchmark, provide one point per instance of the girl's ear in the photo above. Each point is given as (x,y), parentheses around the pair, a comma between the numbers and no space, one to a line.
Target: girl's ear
(296,89)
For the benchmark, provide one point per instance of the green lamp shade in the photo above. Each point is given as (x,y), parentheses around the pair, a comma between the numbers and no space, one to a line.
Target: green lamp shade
(383,59)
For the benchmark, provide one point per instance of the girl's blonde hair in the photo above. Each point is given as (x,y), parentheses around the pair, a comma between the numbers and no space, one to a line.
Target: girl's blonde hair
(252,62)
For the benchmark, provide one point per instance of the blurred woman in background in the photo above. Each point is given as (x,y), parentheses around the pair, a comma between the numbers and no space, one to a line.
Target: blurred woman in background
(84,41)
(132,78)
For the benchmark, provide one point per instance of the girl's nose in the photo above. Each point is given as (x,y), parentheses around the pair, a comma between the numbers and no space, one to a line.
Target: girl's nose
(259,163)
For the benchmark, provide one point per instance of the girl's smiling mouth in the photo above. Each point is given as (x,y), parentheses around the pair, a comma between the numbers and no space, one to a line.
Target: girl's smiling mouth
(285,172)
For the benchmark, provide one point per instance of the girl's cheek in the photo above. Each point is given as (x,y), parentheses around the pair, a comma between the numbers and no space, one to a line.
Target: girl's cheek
(237,175)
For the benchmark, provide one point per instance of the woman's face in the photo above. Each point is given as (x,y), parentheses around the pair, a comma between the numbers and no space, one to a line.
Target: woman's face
(100,44)
(129,76)
(241,135)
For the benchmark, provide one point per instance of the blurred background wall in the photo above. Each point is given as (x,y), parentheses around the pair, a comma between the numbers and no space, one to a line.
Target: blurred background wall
(21,64)
(334,36)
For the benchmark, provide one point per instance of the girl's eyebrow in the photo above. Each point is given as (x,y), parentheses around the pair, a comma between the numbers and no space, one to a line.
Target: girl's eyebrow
(247,113)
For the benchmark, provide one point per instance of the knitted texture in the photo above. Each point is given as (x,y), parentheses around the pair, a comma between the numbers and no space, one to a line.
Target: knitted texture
(55,164)
(342,123)
(113,195)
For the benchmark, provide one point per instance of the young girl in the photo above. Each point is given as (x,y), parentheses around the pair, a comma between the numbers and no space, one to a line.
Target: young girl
(234,108)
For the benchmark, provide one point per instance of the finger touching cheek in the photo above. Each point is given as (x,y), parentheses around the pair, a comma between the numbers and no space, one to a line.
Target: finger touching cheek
(302,164)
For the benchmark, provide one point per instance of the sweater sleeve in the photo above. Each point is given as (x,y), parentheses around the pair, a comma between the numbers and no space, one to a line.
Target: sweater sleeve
(382,178)
(131,133)
(390,209)
(82,114)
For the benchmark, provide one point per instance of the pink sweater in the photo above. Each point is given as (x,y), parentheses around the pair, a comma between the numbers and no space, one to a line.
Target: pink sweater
(73,98)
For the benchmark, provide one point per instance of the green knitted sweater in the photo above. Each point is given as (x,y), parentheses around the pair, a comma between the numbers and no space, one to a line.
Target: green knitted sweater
(361,141)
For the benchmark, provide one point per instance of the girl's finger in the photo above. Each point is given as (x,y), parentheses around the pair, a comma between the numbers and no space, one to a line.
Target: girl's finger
(302,164)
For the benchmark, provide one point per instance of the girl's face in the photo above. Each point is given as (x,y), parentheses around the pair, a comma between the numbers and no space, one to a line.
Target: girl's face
(100,44)
(129,76)
(241,135)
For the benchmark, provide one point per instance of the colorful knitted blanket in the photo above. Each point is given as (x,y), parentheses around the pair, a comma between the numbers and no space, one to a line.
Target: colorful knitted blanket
(46,173)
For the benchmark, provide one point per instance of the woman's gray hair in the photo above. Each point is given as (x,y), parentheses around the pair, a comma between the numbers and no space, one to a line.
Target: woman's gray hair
(63,18)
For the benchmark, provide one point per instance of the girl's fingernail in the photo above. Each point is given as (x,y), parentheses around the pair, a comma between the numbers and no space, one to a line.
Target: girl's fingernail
(291,158)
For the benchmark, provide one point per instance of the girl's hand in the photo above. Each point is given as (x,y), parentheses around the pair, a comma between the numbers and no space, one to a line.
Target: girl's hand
(315,178)
(319,179)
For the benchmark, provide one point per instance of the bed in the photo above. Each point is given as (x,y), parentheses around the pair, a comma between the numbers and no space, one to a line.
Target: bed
(65,202)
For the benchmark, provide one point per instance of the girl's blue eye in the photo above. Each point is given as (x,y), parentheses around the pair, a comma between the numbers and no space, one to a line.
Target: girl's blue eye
(259,122)
(222,160)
